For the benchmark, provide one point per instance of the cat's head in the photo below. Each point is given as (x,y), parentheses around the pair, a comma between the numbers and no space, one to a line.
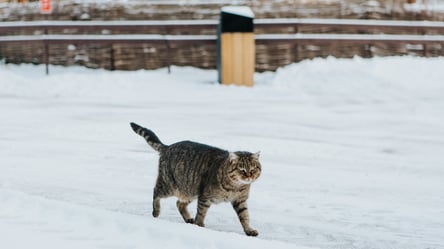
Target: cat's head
(246,167)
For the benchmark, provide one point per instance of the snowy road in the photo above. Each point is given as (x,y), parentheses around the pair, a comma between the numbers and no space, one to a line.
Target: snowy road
(352,154)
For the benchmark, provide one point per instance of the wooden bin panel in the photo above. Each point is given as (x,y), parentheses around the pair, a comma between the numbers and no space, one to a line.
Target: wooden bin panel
(237,58)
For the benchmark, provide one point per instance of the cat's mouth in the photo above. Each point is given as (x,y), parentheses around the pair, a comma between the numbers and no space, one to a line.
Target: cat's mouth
(246,180)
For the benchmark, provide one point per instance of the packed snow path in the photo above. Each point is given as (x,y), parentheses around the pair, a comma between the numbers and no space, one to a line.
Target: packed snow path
(352,154)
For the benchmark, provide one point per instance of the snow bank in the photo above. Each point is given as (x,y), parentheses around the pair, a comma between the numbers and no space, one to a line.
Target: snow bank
(30,221)
(363,80)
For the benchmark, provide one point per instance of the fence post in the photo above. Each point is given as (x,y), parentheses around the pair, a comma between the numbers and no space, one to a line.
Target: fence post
(168,47)
(47,57)
(46,8)
(112,58)
(46,53)
(236,46)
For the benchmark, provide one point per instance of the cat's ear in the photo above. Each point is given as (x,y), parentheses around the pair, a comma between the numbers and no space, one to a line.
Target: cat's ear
(233,156)
(256,155)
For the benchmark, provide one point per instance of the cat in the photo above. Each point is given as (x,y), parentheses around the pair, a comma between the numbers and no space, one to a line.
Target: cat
(190,170)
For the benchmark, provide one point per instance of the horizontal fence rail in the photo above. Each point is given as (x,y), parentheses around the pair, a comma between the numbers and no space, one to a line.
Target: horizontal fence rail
(110,39)
(346,24)
(47,33)
(212,39)
(109,25)
(349,24)
(318,39)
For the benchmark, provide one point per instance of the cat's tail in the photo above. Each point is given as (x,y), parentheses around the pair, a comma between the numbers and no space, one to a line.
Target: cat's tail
(149,137)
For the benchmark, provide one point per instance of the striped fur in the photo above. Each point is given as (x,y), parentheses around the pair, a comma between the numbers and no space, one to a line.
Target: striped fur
(149,137)
(190,171)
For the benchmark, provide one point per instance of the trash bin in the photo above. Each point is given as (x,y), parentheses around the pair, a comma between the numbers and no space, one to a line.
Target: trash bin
(235,46)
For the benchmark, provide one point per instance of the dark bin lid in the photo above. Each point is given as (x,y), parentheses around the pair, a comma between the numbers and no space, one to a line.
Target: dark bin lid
(236,19)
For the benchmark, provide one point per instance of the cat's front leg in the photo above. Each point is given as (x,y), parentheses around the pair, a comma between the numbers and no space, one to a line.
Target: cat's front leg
(202,207)
(240,206)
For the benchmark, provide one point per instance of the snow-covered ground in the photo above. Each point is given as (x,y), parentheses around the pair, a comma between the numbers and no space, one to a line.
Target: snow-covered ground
(352,154)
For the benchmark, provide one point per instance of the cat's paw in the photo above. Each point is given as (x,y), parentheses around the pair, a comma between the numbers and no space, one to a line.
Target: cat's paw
(199,223)
(190,221)
(156,213)
(251,232)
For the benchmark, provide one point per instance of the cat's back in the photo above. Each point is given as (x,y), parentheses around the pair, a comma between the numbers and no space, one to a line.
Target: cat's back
(195,149)
(192,157)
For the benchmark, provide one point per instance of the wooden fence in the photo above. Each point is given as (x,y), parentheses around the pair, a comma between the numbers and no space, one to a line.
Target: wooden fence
(269,32)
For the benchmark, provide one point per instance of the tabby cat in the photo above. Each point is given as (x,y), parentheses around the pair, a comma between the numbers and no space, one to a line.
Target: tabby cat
(190,170)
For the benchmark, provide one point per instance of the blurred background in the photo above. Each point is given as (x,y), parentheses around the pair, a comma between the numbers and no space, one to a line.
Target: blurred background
(119,56)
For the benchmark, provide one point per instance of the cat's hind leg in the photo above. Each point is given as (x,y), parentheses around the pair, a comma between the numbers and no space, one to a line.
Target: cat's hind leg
(156,206)
(182,206)
(160,192)
(202,207)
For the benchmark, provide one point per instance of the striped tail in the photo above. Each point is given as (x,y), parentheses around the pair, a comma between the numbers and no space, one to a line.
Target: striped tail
(149,136)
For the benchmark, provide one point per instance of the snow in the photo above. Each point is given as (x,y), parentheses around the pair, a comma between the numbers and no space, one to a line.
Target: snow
(239,10)
(349,22)
(117,38)
(351,152)
(368,38)
(110,23)
(313,38)
(264,21)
